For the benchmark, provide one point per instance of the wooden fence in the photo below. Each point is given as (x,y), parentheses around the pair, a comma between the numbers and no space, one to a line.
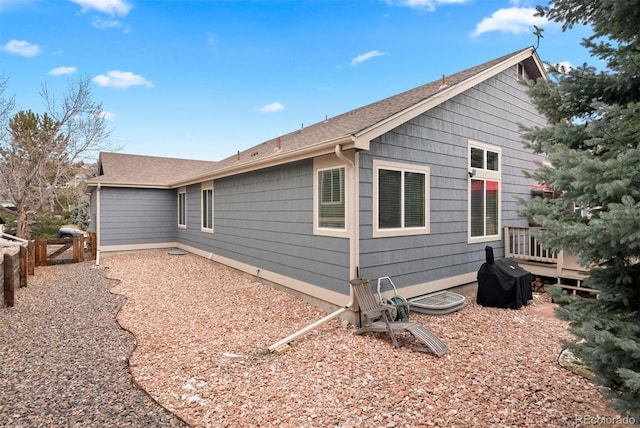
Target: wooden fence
(63,250)
(19,260)
(14,267)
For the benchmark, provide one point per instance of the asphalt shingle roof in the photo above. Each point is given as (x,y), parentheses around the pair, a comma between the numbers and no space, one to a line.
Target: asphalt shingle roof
(138,170)
(125,169)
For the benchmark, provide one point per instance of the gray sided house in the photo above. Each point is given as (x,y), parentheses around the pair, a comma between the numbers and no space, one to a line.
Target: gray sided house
(413,187)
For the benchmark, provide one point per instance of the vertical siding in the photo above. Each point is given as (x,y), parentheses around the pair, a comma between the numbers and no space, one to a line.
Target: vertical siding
(265,219)
(488,113)
(137,216)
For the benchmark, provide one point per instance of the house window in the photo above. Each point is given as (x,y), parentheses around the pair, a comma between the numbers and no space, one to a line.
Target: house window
(485,180)
(207,208)
(331,203)
(331,195)
(182,208)
(520,71)
(401,199)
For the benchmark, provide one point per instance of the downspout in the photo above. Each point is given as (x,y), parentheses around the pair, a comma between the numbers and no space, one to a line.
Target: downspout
(353,257)
(98,225)
(354,232)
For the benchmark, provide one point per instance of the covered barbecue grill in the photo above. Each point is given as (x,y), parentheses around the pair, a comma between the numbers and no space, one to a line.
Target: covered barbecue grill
(503,283)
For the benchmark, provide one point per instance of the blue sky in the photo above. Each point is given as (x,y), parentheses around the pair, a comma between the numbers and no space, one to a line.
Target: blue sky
(203,79)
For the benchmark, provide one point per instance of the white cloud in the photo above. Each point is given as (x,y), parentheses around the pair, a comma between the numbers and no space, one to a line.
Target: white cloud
(110,7)
(61,71)
(121,80)
(106,115)
(514,20)
(271,108)
(364,57)
(21,47)
(429,5)
(106,24)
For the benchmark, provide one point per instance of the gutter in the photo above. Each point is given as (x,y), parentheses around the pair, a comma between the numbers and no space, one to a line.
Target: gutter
(283,345)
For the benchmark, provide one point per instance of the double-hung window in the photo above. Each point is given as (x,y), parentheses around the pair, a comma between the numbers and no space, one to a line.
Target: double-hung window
(182,208)
(485,182)
(206,216)
(331,203)
(330,197)
(401,199)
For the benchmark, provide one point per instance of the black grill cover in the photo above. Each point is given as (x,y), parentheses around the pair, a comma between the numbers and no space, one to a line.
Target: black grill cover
(503,283)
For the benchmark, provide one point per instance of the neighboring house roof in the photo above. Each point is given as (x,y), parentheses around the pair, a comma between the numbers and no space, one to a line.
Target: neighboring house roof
(356,128)
(117,169)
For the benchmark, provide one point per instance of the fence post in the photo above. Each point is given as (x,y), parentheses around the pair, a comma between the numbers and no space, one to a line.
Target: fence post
(9,284)
(23,266)
(31,263)
(41,252)
(74,250)
(94,245)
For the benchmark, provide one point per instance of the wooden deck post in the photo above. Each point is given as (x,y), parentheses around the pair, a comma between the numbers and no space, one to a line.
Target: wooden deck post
(9,284)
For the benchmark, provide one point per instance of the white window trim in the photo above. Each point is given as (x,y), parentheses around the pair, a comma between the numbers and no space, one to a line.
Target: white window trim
(485,174)
(182,191)
(203,187)
(405,231)
(322,164)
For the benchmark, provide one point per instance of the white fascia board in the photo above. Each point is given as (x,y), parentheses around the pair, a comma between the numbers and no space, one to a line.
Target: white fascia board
(135,185)
(323,148)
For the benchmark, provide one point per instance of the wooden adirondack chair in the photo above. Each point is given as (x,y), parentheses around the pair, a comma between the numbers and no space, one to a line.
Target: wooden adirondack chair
(379,321)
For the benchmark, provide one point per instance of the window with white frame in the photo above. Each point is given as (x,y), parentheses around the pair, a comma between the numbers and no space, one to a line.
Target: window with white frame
(401,199)
(485,182)
(182,208)
(331,198)
(331,201)
(206,216)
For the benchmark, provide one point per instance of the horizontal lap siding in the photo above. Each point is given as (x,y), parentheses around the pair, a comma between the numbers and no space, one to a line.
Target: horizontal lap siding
(488,113)
(265,219)
(137,216)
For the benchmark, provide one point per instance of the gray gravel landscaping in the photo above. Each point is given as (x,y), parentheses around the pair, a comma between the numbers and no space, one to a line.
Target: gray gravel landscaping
(64,357)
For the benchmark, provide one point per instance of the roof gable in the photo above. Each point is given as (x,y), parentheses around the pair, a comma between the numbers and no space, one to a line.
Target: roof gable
(353,129)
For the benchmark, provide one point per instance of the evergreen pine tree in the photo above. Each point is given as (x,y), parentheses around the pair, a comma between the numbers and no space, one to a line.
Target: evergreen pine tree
(592,142)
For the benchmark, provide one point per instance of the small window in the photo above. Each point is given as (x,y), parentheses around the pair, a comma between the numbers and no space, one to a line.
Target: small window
(485,183)
(331,205)
(182,208)
(207,208)
(520,71)
(331,199)
(401,194)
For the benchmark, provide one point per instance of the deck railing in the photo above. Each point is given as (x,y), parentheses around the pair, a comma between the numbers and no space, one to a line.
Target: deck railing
(520,243)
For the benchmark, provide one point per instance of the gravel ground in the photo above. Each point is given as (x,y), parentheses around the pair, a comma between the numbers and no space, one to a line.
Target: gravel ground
(64,357)
(203,331)
(200,349)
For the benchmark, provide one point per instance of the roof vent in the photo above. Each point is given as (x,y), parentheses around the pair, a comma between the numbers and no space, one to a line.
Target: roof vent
(444,83)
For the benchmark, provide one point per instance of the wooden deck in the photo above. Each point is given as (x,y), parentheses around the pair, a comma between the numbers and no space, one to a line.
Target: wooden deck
(520,244)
